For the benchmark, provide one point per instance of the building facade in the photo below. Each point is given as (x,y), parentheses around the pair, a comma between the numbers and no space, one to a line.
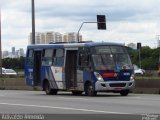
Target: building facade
(47,37)
(71,37)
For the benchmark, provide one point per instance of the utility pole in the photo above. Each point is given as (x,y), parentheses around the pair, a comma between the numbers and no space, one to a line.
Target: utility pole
(139,50)
(0,47)
(33,22)
(158,41)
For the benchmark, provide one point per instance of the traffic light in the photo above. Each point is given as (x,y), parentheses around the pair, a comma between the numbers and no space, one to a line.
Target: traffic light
(101,22)
(138,46)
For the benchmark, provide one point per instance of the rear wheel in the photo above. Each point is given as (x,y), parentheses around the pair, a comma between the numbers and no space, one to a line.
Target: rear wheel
(48,89)
(89,90)
(124,92)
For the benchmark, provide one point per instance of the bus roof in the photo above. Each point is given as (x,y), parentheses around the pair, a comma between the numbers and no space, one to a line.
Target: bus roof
(70,45)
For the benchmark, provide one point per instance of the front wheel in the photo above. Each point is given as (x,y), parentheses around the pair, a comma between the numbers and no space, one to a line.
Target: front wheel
(48,89)
(124,92)
(89,90)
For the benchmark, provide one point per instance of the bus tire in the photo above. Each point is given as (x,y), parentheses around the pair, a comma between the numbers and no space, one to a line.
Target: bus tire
(77,92)
(48,89)
(124,92)
(89,90)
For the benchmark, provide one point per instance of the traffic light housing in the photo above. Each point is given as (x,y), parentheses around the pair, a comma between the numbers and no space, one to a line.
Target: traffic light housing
(101,22)
(138,46)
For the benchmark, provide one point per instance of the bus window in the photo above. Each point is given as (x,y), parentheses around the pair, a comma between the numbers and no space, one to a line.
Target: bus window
(117,49)
(103,62)
(101,50)
(121,57)
(110,58)
(29,59)
(47,57)
(83,59)
(58,58)
(122,60)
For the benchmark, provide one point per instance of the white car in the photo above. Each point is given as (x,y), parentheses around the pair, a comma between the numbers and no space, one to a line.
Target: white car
(8,72)
(138,70)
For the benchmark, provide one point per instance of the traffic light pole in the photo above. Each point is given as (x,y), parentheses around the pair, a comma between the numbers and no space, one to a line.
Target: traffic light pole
(101,23)
(81,27)
(139,58)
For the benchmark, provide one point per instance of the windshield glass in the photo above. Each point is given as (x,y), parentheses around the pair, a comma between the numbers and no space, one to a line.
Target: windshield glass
(110,58)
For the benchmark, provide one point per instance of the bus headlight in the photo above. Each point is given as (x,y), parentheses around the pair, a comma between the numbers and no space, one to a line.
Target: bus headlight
(132,77)
(98,76)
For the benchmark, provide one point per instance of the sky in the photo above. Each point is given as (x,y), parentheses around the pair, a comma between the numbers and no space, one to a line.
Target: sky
(128,21)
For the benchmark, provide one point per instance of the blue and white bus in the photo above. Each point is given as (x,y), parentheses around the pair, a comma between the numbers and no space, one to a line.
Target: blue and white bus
(80,67)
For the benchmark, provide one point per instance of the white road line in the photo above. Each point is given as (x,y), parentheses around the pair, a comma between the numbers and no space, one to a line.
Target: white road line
(63,108)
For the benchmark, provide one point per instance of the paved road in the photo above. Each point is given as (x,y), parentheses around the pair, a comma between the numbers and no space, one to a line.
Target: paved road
(29,102)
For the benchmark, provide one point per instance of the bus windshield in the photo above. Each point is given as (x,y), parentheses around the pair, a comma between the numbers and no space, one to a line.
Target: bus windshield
(110,58)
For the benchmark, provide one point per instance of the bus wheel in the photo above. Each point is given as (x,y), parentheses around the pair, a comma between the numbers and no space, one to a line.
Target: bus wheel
(77,92)
(89,90)
(124,92)
(48,89)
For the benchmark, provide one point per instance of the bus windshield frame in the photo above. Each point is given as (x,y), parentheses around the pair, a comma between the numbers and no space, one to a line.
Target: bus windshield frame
(110,58)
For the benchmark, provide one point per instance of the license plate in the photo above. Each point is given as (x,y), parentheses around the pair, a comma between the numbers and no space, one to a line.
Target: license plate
(126,74)
(118,89)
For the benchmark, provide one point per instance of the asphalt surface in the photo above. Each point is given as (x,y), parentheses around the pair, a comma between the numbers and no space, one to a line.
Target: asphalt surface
(133,106)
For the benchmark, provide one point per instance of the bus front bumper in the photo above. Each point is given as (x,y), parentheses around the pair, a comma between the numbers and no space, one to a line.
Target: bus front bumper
(114,85)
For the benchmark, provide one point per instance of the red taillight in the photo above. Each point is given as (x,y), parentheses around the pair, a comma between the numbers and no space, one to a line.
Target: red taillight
(109,75)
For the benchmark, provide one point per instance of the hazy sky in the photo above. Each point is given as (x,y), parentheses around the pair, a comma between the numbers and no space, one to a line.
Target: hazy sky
(127,20)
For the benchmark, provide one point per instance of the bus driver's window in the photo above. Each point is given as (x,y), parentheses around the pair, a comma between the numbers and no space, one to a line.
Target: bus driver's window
(83,59)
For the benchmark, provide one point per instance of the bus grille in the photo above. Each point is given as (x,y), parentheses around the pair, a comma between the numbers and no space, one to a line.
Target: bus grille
(117,84)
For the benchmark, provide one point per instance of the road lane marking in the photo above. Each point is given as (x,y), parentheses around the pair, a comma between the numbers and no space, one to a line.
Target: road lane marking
(64,108)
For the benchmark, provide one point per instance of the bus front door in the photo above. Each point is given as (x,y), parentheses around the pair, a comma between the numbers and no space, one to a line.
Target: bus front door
(37,68)
(71,69)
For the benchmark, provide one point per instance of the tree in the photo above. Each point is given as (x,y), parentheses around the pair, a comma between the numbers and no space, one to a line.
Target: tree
(149,57)
(13,63)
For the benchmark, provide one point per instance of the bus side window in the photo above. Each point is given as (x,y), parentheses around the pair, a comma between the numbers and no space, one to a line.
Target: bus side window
(58,60)
(47,57)
(83,59)
(29,60)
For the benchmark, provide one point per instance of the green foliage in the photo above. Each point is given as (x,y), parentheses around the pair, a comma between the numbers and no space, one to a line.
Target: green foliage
(13,63)
(149,57)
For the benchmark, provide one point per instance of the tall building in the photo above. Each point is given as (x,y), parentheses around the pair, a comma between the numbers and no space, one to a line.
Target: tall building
(58,37)
(13,50)
(65,38)
(49,37)
(20,53)
(71,37)
(38,38)
(45,38)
